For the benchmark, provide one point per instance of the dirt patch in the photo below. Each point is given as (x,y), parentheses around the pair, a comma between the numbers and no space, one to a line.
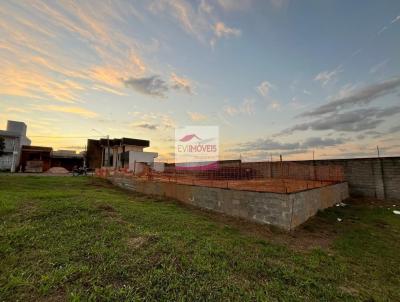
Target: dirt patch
(136,242)
(140,241)
(57,170)
(100,183)
(106,207)
(275,185)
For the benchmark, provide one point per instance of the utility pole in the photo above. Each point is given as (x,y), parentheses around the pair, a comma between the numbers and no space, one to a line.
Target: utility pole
(12,169)
(377,149)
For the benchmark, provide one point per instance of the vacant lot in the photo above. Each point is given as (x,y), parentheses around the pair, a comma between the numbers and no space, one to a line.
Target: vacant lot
(65,238)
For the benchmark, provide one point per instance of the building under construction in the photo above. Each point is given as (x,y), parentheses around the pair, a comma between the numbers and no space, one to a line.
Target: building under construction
(284,194)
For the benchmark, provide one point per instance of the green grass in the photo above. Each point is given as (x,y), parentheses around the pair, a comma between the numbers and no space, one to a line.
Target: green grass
(76,238)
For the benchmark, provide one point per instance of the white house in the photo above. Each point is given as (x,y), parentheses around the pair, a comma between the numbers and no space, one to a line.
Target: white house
(125,153)
(137,159)
(14,138)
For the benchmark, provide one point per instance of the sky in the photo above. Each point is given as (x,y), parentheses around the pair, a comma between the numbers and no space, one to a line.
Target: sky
(278,77)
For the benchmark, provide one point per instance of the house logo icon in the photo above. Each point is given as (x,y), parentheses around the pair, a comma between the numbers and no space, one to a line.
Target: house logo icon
(196,147)
(189,137)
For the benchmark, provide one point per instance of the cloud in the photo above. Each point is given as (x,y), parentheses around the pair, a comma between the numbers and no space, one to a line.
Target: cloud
(265,144)
(231,110)
(182,12)
(146,126)
(107,89)
(327,76)
(246,107)
(351,121)
(394,129)
(156,86)
(318,142)
(264,88)
(221,30)
(273,145)
(196,116)
(205,7)
(181,83)
(36,64)
(362,96)
(162,121)
(382,30)
(73,147)
(16,109)
(275,105)
(379,66)
(234,5)
(395,19)
(66,109)
(152,85)
(200,22)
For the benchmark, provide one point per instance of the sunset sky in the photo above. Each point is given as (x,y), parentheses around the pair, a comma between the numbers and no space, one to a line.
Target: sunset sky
(277,76)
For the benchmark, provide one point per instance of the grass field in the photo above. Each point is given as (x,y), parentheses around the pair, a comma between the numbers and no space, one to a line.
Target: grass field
(66,238)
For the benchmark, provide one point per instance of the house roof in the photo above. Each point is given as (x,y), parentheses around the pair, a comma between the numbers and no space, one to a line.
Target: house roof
(36,148)
(9,133)
(125,141)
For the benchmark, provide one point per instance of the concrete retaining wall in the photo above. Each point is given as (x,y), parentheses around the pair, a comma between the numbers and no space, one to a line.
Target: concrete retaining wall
(282,210)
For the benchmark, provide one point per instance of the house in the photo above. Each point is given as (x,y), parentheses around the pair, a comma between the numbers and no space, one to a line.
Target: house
(14,138)
(35,159)
(119,153)
(67,159)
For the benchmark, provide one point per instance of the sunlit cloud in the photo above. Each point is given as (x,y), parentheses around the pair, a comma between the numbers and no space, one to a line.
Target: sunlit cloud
(108,89)
(42,59)
(181,83)
(246,108)
(221,30)
(200,22)
(155,120)
(67,109)
(264,90)
(328,76)
(197,116)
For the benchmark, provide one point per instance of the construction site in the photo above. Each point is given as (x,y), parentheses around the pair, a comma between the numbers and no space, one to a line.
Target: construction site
(284,194)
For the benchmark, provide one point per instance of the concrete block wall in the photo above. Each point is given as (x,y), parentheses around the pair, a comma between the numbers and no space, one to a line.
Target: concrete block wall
(282,210)
(391,177)
(369,177)
(307,203)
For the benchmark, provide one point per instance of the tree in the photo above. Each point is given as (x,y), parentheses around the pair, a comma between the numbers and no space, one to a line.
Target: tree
(2,145)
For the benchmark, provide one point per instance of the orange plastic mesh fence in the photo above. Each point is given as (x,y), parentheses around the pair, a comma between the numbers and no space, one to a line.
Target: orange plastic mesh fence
(280,177)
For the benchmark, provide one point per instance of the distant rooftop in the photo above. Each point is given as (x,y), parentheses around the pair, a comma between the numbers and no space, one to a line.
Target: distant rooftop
(37,148)
(9,133)
(125,141)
